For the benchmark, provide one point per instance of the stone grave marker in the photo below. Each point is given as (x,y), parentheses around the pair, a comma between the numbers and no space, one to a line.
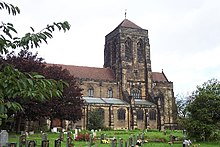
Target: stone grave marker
(22,140)
(3,138)
(69,134)
(45,141)
(61,136)
(44,136)
(90,140)
(31,143)
(101,138)
(114,142)
(120,142)
(69,142)
(57,142)
(12,144)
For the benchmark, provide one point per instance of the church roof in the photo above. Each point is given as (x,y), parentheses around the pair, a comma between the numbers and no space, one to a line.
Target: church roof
(159,77)
(128,24)
(85,72)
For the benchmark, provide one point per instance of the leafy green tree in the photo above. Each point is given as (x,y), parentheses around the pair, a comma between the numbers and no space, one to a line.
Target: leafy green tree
(95,120)
(16,84)
(203,121)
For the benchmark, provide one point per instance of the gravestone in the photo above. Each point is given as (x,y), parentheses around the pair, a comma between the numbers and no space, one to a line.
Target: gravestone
(69,134)
(126,144)
(101,138)
(58,142)
(3,138)
(12,144)
(31,143)
(61,136)
(44,136)
(45,143)
(114,142)
(76,133)
(90,140)
(120,142)
(69,142)
(22,140)
(129,141)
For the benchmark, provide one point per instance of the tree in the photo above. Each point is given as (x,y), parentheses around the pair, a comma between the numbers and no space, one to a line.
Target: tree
(95,120)
(204,112)
(16,84)
(68,107)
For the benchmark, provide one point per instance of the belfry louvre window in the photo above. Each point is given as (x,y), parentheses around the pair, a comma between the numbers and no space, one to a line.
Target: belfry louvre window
(90,92)
(136,93)
(140,114)
(110,93)
(152,115)
(121,114)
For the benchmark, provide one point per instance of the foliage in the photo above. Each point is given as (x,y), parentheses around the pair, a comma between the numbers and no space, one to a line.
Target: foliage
(82,137)
(68,107)
(204,112)
(16,84)
(95,120)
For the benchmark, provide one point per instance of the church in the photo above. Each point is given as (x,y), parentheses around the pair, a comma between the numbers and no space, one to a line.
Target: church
(127,93)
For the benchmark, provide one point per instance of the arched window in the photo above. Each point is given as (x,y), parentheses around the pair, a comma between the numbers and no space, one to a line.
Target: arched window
(136,93)
(140,114)
(140,51)
(152,115)
(128,50)
(110,93)
(90,92)
(121,114)
(101,112)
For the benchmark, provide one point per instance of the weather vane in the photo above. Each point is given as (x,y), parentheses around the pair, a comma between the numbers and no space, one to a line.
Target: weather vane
(125,13)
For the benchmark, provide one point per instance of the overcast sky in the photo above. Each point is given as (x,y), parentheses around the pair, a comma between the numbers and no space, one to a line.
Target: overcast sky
(184,34)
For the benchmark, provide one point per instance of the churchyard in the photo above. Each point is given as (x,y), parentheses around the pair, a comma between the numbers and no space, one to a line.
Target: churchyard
(98,138)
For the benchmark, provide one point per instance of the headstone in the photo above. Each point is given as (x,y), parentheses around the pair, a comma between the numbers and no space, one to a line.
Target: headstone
(129,141)
(126,144)
(120,142)
(114,142)
(61,136)
(90,140)
(69,142)
(69,134)
(105,137)
(31,143)
(3,138)
(58,142)
(45,143)
(101,138)
(44,136)
(76,132)
(11,144)
(22,140)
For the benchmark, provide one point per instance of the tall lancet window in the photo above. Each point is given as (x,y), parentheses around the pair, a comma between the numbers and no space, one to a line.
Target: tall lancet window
(140,51)
(128,50)
(114,52)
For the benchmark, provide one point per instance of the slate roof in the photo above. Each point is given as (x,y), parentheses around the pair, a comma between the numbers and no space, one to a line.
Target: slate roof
(109,101)
(128,24)
(159,77)
(85,72)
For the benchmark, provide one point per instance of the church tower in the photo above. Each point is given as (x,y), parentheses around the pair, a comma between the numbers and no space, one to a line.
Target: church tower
(127,53)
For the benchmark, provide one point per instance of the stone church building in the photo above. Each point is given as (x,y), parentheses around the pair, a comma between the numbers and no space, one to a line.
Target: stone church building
(126,91)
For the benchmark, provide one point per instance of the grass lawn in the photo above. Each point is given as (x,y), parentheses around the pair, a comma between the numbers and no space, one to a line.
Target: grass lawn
(151,136)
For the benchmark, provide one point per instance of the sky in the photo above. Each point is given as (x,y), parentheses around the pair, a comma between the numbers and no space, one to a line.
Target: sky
(184,34)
